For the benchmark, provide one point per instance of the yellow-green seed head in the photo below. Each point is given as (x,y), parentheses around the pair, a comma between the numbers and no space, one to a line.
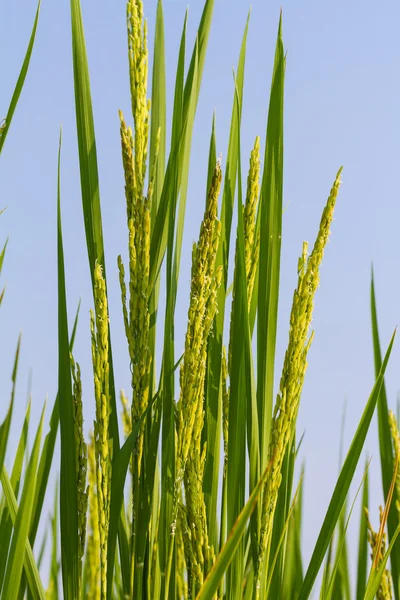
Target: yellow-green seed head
(190,462)
(294,367)
(81,457)
(93,541)
(396,446)
(103,446)
(250,207)
(378,550)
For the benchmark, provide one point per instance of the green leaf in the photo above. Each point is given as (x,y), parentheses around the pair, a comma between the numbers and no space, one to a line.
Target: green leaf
(270,228)
(5,426)
(158,110)
(46,457)
(42,549)
(86,142)
(375,575)
(6,523)
(340,550)
(158,122)
(343,483)
(213,389)
(281,540)
(242,397)
(89,175)
(338,586)
(46,460)
(224,558)
(293,568)
(385,446)
(20,82)
(159,235)
(54,547)
(120,468)
(19,541)
(2,253)
(68,496)
(31,570)
(362,563)
(280,520)
(167,379)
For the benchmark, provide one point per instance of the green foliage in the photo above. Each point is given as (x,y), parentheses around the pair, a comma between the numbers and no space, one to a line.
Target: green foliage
(168,517)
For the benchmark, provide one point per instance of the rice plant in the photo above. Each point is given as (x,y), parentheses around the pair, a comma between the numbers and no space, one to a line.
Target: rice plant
(185,486)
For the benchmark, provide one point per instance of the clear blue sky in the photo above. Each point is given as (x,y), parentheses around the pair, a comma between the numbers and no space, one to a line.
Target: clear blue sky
(341,107)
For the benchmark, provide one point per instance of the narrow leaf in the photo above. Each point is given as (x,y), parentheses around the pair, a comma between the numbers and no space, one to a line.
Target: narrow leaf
(31,569)
(343,483)
(68,496)
(224,558)
(20,82)
(363,545)
(22,522)
(385,445)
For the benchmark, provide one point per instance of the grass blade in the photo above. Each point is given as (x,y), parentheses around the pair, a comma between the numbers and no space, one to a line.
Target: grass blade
(293,571)
(281,518)
(20,82)
(270,224)
(5,426)
(215,342)
(86,142)
(159,235)
(6,523)
(158,110)
(240,389)
(224,558)
(339,553)
(55,567)
(2,253)
(15,563)
(167,379)
(282,538)
(385,445)
(31,570)
(120,468)
(68,495)
(363,545)
(46,457)
(89,175)
(376,574)
(343,483)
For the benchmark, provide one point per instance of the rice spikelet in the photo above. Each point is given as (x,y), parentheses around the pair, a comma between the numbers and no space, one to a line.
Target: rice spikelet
(190,460)
(396,445)
(103,445)
(134,157)
(81,460)
(136,309)
(251,241)
(252,244)
(126,414)
(202,308)
(377,553)
(293,372)
(138,72)
(225,405)
(181,567)
(93,541)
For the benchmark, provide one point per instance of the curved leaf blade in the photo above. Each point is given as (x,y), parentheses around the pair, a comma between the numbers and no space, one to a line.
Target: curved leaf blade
(343,483)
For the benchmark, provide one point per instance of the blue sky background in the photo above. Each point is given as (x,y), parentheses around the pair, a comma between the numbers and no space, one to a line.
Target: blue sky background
(341,107)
